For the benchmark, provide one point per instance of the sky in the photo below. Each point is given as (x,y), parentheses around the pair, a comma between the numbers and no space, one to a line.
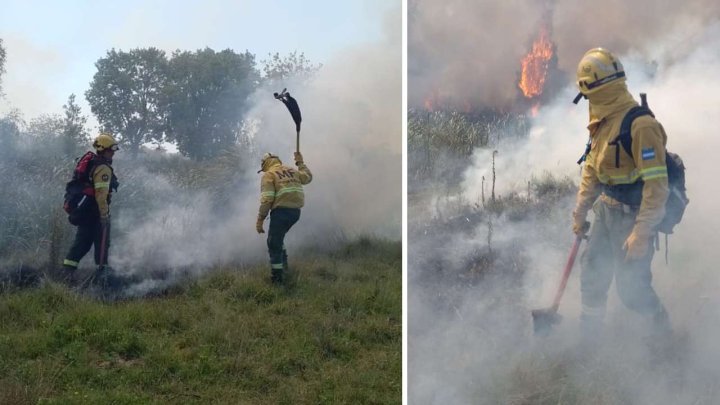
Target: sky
(52,46)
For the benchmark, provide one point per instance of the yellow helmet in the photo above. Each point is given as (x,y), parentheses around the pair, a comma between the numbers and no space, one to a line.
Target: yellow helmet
(105,141)
(596,68)
(266,160)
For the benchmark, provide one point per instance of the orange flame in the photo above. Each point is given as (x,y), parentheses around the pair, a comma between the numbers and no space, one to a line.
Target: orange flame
(535,65)
(534,110)
(432,101)
(429,104)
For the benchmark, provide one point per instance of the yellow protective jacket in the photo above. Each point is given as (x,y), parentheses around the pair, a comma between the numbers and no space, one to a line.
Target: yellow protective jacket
(102,176)
(281,186)
(607,110)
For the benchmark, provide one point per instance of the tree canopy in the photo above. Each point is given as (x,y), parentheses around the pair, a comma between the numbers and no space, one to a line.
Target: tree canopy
(278,68)
(127,95)
(207,95)
(74,131)
(196,99)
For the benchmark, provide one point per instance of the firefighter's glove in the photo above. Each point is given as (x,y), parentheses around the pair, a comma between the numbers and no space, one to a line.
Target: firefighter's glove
(298,159)
(581,228)
(259,226)
(636,246)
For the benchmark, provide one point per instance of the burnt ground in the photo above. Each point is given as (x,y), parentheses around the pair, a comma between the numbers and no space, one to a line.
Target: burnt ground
(110,287)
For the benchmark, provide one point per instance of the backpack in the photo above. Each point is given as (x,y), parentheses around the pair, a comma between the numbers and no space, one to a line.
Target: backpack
(80,204)
(677,198)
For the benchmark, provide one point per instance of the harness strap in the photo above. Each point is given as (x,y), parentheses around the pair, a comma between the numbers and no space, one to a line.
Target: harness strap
(587,152)
(617,151)
(624,138)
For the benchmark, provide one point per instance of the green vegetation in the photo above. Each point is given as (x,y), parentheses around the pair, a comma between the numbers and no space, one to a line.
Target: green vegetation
(197,99)
(332,336)
(440,142)
(34,184)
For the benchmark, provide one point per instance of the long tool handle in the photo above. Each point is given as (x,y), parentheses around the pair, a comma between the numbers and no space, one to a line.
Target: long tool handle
(103,244)
(297,142)
(566,272)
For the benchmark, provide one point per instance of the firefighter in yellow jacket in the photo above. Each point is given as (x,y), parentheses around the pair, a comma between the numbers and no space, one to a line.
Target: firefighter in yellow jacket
(281,195)
(94,227)
(627,195)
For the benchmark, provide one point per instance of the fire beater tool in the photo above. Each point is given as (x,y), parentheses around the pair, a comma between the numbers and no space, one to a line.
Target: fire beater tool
(545,318)
(294,109)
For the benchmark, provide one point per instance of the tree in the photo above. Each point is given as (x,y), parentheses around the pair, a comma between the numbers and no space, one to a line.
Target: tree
(74,133)
(10,126)
(126,95)
(42,137)
(207,94)
(45,128)
(279,69)
(2,62)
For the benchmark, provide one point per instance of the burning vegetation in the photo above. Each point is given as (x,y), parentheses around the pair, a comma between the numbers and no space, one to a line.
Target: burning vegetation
(535,65)
(452,127)
(538,79)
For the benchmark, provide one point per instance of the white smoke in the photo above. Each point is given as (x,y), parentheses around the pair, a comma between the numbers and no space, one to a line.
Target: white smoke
(350,139)
(469,51)
(485,353)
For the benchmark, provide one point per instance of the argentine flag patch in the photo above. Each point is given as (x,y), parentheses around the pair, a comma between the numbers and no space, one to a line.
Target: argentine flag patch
(648,153)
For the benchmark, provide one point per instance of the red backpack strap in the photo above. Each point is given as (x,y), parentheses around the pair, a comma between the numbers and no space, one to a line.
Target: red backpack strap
(84,165)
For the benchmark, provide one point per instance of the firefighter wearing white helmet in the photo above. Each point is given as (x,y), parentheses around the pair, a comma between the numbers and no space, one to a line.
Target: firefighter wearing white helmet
(626,193)
(92,216)
(282,196)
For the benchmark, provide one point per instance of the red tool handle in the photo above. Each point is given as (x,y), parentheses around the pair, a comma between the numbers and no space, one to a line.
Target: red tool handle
(103,244)
(566,272)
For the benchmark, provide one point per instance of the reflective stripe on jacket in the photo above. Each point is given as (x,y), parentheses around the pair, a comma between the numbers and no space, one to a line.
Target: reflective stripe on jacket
(101,178)
(647,164)
(281,186)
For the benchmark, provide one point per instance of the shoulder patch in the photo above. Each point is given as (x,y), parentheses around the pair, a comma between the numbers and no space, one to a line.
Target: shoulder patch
(648,153)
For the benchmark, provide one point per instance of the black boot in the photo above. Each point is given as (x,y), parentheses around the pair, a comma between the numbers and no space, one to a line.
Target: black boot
(661,325)
(106,278)
(660,340)
(66,275)
(277,276)
(289,276)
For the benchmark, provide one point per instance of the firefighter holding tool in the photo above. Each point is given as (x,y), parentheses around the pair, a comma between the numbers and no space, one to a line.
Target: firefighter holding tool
(627,192)
(282,197)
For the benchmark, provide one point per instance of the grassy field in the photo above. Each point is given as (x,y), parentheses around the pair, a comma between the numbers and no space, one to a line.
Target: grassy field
(331,336)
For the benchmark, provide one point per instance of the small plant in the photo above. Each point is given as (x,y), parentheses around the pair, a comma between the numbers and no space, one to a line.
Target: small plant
(495,152)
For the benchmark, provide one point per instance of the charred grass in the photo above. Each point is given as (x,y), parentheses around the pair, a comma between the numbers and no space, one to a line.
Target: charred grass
(332,335)
(467,269)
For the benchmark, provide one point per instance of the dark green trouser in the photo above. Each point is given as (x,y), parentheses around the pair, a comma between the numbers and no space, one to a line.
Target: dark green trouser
(88,235)
(281,220)
(604,258)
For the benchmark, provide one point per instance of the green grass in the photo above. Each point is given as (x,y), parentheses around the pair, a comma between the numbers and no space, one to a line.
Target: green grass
(332,336)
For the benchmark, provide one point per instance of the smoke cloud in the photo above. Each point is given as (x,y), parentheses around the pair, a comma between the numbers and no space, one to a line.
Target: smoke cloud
(26,62)
(350,138)
(351,141)
(471,341)
(468,52)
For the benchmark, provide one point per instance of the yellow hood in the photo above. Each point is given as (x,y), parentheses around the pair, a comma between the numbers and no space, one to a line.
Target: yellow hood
(611,98)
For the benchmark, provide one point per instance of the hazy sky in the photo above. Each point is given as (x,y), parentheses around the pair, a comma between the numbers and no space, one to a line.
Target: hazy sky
(52,46)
